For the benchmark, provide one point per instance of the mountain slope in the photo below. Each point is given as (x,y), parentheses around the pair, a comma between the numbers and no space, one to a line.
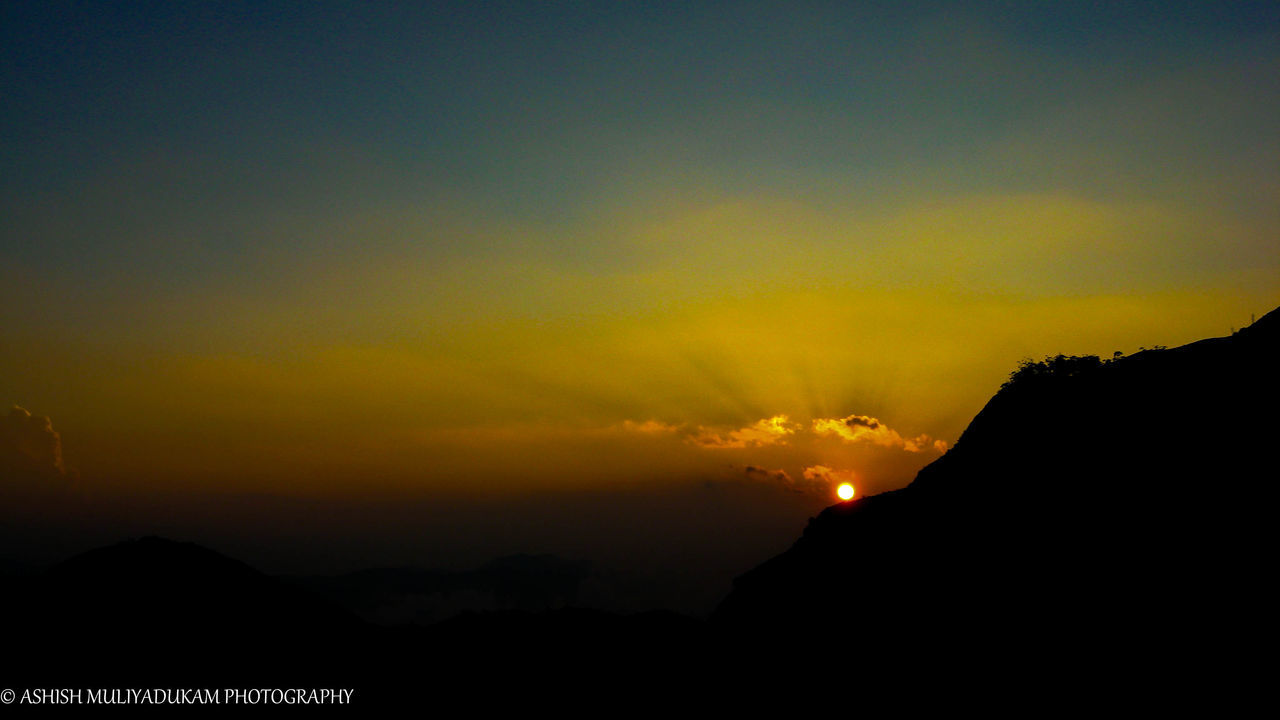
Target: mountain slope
(1123,504)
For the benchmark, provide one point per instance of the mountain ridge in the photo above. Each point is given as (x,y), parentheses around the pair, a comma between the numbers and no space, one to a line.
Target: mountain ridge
(1101,507)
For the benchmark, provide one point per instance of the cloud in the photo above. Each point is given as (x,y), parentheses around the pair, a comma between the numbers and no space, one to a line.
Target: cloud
(815,479)
(29,446)
(760,474)
(863,428)
(649,427)
(807,484)
(829,476)
(768,431)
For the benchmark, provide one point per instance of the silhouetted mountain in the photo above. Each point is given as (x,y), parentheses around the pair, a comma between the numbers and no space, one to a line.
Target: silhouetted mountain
(146,608)
(159,613)
(410,595)
(1105,513)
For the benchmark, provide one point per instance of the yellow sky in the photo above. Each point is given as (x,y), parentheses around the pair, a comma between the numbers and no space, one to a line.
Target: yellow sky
(483,262)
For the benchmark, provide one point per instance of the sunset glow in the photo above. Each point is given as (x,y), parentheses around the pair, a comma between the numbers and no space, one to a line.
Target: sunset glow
(589,278)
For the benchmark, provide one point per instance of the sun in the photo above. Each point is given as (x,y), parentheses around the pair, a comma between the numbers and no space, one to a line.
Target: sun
(845,491)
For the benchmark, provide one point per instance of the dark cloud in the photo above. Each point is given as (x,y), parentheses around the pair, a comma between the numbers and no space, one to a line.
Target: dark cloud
(760,474)
(29,446)
(817,480)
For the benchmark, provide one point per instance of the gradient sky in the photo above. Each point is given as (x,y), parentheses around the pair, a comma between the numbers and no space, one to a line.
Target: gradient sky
(319,250)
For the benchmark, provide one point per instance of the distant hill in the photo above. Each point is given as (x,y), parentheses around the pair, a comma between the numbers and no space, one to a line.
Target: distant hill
(151,608)
(1118,511)
(392,596)
(154,612)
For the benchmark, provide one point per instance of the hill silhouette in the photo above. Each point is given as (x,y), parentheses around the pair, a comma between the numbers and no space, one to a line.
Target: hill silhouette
(154,612)
(391,596)
(1112,513)
(151,609)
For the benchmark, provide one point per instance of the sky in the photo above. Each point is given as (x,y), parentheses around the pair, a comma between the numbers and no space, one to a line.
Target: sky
(494,271)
